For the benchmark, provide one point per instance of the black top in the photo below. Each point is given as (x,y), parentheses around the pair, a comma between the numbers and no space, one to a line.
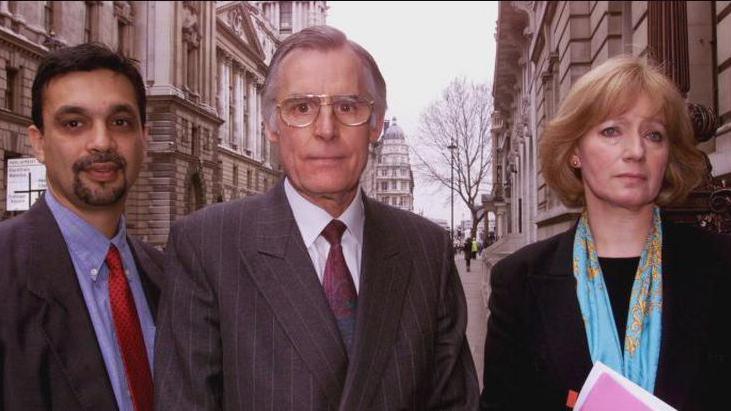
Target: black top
(619,274)
(536,348)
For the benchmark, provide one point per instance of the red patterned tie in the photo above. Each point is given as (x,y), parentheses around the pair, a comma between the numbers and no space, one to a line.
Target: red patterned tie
(129,333)
(338,284)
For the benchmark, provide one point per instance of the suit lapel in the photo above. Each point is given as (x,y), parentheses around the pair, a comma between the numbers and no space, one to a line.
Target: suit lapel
(66,323)
(560,317)
(684,315)
(384,278)
(284,274)
(150,275)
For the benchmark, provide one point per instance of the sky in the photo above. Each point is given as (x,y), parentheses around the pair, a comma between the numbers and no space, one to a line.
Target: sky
(420,48)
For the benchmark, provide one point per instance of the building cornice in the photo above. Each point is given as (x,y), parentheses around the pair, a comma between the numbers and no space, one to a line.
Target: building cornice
(21,43)
(15,118)
(182,102)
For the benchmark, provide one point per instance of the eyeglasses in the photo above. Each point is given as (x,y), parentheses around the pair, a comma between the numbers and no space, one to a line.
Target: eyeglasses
(301,111)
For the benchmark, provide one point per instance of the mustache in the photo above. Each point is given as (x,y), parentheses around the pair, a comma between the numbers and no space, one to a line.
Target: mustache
(84,163)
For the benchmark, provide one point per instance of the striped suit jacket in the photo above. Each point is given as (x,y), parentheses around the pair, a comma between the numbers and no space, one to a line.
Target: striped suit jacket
(245,324)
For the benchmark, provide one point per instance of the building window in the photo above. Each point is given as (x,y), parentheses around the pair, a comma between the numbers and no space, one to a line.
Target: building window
(124,18)
(183,130)
(231,110)
(89,7)
(206,137)
(384,185)
(195,144)
(236,175)
(249,180)
(520,215)
(120,36)
(191,66)
(11,86)
(285,17)
(247,107)
(48,16)
(231,130)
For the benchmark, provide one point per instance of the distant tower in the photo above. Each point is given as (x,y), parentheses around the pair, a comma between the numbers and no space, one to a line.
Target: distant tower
(289,17)
(394,178)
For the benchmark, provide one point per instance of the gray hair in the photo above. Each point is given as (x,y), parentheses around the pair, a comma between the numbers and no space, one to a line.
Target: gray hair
(322,38)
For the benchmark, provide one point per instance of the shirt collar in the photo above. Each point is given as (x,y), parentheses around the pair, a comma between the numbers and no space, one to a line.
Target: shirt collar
(85,241)
(311,219)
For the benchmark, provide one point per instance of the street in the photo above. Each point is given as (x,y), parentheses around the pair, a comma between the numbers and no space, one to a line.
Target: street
(472,282)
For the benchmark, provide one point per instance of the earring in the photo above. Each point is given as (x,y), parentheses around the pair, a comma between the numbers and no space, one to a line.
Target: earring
(575,162)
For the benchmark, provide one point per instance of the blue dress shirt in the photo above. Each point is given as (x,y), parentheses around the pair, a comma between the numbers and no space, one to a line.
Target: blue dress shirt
(88,249)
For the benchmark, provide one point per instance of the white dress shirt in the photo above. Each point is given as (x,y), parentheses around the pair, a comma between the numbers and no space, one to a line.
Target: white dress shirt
(312,219)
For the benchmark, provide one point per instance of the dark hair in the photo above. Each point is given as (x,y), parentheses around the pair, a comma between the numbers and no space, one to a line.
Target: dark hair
(84,57)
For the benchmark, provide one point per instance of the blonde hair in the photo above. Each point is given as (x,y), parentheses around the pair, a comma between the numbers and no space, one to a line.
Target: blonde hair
(607,90)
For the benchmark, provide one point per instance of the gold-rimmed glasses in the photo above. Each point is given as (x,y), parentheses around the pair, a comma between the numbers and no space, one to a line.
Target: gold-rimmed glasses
(301,111)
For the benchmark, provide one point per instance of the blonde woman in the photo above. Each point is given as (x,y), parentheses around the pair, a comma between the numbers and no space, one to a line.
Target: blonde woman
(625,287)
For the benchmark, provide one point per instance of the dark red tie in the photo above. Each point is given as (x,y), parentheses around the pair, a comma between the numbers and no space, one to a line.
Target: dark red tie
(129,333)
(338,284)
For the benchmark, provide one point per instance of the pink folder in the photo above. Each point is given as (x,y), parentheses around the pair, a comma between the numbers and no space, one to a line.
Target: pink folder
(608,395)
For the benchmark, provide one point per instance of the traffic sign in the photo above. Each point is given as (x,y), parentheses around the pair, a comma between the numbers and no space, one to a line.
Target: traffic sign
(26,183)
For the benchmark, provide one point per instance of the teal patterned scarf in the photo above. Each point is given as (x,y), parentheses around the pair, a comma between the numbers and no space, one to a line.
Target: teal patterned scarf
(639,360)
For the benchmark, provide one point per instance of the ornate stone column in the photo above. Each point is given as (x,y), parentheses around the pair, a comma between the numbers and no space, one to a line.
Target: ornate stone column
(668,40)
(239,90)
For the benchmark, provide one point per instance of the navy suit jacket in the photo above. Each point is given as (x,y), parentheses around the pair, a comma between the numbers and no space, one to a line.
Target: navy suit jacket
(49,356)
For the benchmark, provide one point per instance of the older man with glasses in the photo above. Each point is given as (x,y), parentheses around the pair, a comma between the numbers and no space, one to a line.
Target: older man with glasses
(313,296)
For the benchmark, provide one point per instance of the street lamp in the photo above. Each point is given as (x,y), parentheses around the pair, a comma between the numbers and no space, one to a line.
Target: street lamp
(451,148)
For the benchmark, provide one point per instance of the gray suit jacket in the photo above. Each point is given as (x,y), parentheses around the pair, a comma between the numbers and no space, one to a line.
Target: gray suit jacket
(246,325)
(49,355)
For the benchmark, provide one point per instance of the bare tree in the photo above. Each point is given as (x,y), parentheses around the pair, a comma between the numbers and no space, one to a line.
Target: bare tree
(459,119)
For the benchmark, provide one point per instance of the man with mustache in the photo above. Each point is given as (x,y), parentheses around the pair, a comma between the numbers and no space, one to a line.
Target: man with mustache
(78,296)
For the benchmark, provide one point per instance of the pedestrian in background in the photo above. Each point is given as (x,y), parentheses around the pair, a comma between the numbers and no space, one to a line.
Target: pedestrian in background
(467,250)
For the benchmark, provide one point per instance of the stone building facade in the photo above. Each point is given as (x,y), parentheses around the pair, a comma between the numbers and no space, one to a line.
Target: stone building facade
(245,44)
(544,47)
(289,17)
(203,63)
(393,180)
(176,46)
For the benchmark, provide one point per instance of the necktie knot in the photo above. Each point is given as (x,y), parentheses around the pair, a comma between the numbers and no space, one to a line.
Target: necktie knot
(113,259)
(333,232)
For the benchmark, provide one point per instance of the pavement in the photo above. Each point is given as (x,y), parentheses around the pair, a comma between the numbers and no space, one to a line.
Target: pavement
(473,282)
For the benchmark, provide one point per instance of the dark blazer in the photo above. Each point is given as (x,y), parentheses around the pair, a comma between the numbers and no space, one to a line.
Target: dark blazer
(536,349)
(246,326)
(49,354)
